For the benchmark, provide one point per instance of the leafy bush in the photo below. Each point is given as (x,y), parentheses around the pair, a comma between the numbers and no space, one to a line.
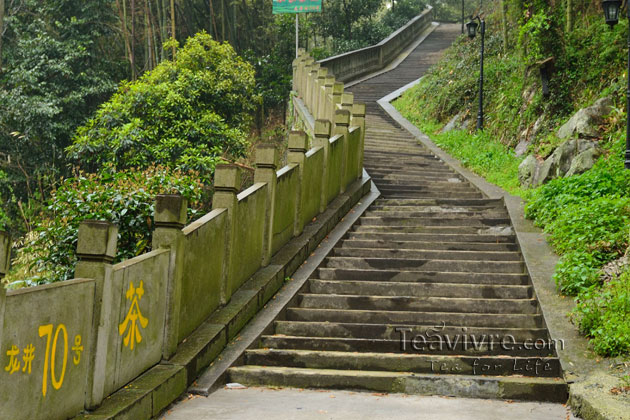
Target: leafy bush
(125,198)
(576,271)
(185,114)
(604,315)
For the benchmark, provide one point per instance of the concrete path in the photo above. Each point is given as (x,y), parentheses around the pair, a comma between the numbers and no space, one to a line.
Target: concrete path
(290,404)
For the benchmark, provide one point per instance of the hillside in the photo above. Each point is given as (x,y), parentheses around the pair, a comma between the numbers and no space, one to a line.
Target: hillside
(586,212)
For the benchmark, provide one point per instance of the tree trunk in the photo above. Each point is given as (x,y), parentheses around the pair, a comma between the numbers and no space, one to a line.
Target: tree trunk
(173,25)
(569,16)
(1,30)
(504,26)
(214,22)
(222,20)
(132,58)
(122,15)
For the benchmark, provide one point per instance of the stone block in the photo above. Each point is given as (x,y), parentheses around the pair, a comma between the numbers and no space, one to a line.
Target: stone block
(97,240)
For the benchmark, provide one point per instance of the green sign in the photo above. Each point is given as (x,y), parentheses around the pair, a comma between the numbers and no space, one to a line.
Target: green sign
(296,6)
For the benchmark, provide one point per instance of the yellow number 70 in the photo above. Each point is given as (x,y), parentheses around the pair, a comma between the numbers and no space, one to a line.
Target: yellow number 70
(46,330)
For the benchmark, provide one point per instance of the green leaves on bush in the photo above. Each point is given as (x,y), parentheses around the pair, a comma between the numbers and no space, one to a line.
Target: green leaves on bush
(576,272)
(186,114)
(604,315)
(125,198)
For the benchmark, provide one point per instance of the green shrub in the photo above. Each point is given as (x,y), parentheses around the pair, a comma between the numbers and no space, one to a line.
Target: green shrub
(125,198)
(604,315)
(185,114)
(600,225)
(576,271)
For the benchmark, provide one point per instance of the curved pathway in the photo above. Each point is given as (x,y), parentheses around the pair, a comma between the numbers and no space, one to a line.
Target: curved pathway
(432,258)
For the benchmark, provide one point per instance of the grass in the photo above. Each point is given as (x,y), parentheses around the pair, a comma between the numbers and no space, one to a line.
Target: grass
(480,152)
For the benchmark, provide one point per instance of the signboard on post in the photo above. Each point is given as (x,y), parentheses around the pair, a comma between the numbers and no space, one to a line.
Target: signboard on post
(296,6)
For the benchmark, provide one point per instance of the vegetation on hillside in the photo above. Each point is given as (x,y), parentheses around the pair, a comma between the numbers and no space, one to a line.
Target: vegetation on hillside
(587,216)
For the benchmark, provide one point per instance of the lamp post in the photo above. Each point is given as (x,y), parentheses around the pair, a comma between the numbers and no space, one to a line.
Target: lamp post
(463,16)
(472,32)
(612,9)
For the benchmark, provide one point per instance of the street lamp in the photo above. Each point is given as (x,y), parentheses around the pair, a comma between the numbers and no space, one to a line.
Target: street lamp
(472,32)
(612,9)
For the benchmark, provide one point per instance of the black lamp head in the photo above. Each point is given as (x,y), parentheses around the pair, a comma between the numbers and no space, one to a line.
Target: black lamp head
(472,29)
(611,11)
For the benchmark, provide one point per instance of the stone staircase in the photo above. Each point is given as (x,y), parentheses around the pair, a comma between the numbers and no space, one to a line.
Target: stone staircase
(426,294)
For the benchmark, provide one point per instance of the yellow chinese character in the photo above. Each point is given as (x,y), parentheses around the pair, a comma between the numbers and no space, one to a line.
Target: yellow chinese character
(134,315)
(29,355)
(78,348)
(14,364)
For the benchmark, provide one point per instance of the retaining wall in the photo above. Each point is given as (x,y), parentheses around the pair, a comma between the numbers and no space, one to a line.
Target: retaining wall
(125,339)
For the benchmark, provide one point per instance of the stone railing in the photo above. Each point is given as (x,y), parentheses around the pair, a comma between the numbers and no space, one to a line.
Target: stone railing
(128,338)
(358,63)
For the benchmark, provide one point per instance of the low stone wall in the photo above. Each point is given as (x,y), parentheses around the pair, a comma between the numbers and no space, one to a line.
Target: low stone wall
(126,339)
(358,63)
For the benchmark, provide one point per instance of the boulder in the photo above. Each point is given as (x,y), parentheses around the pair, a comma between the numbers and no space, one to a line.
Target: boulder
(453,124)
(585,122)
(521,147)
(527,171)
(584,161)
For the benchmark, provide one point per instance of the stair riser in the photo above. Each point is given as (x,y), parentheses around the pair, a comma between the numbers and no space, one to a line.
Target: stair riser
(461,246)
(425,265)
(488,306)
(433,221)
(397,346)
(431,237)
(418,276)
(398,332)
(533,321)
(456,290)
(443,365)
(425,254)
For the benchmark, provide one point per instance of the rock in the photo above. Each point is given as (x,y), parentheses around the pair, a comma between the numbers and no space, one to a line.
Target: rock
(613,269)
(453,124)
(584,123)
(527,171)
(584,161)
(521,148)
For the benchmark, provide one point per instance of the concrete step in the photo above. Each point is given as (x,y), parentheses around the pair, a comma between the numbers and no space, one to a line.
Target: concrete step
(447,220)
(446,246)
(495,387)
(395,192)
(449,230)
(371,274)
(402,331)
(444,265)
(390,288)
(417,363)
(425,254)
(433,237)
(415,346)
(424,304)
(439,202)
(470,320)
(439,212)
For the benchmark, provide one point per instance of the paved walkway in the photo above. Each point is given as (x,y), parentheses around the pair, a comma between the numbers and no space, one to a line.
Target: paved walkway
(432,250)
(294,404)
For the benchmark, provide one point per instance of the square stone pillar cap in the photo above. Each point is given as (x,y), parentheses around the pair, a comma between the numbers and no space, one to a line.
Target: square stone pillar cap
(227,178)
(5,253)
(98,240)
(267,156)
(298,142)
(347,98)
(338,88)
(171,210)
(358,110)
(342,117)
(322,128)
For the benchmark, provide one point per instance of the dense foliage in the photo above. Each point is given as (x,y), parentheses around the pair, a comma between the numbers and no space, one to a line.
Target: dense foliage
(186,114)
(122,197)
(587,216)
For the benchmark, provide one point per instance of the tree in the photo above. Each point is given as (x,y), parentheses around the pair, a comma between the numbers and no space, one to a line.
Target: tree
(186,114)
